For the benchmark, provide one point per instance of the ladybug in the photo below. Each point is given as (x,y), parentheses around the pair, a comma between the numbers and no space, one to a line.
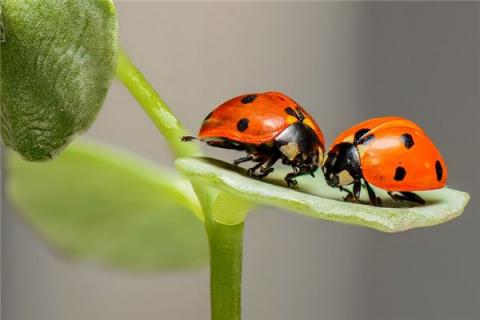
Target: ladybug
(391,153)
(269,126)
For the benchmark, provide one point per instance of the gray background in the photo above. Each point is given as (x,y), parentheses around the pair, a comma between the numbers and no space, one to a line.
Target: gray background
(344,62)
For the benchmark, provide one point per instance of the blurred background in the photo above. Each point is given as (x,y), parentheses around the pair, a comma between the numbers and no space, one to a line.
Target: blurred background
(344,62)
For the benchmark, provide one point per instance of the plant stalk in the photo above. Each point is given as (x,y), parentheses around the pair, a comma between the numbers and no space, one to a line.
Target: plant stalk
(226,246)
(226,241)
(155,107)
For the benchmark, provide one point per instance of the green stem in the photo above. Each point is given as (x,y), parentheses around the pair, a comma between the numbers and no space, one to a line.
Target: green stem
(226,244)
(225,241)
(155,107)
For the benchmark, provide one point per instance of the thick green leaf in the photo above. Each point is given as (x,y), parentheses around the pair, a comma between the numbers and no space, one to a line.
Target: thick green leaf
(97,204)
(314,198)
(58,58)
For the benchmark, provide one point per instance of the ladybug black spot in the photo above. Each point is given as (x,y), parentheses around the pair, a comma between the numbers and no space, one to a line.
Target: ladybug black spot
(438,170)
(407,140)
(208,117)
(360,133)
(242,125)
(400,174)
(290,111)
(249,99)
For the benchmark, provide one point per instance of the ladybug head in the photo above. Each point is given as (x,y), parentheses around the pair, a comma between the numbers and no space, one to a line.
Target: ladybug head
(300,146)
(342,165)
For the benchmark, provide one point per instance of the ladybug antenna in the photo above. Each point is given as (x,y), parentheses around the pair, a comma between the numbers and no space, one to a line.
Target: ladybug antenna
(188,138)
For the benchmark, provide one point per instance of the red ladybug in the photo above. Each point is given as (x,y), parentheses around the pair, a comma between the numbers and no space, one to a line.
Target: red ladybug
(391,153)
(269,126)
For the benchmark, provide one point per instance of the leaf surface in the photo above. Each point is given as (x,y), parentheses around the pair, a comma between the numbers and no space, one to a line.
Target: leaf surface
(313,197)
(57,60)
(102,205)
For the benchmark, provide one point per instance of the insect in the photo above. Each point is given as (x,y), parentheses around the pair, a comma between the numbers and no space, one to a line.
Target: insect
(391,153)
(269,126)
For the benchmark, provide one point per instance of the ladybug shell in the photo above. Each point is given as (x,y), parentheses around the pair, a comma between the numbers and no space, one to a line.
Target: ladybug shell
(396,155)
(254,119)
(359,130)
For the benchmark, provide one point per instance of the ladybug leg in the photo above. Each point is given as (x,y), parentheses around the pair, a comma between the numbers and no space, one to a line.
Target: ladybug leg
(299,171)
(374,200)
(407,196)
(349,195)
(265,167)
(355,195)
(251,172)
(345,190)
(290,179)
(241,160)
(357,188)
(413,197)
(395,197)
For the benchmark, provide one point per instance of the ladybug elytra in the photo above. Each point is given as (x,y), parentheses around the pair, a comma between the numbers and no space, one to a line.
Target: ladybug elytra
(391,153)
(269,126)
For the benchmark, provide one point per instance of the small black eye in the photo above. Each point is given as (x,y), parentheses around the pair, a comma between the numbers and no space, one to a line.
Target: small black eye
(335,180)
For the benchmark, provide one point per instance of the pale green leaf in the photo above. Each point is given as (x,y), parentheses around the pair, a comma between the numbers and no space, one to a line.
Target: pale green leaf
(97,204)
(58,58)
(313,197)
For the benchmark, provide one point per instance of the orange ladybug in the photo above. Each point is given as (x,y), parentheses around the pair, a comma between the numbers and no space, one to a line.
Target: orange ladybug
(391,153)
(269,126)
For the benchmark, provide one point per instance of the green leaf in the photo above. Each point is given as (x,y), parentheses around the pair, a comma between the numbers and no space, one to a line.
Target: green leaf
(97,204)
(58,58)
(313,197)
